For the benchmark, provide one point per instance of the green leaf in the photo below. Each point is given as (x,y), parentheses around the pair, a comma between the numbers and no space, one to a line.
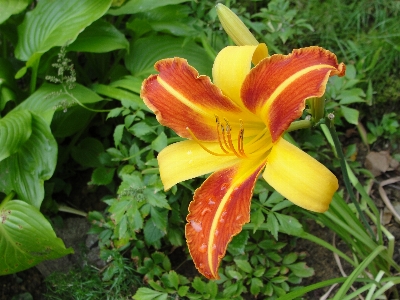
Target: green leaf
(301,270)
(173,279)
(87,152)
(12,7)
(149,294)
(350,114)
(244,265)
(99,37)
(15,129)
(135,6)
(160,142)
(182,291)
(257,218)
(119,94)
(273,225)
(238,243)
(199,285)
(56,23)
(151,232)
(102,176)
(156,198)
(145,52)
(290,258)
(47,99)
(289,225)
(118,132)
(26,170)
(26,238)
(159,218)
(255,286)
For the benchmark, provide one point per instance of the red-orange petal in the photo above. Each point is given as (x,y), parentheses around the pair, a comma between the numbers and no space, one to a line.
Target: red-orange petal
(217,213)
(182,99)
(276,89)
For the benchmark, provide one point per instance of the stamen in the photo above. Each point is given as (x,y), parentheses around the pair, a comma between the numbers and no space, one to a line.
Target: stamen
(228,133)
(240,139)
(219,137)
(202,146)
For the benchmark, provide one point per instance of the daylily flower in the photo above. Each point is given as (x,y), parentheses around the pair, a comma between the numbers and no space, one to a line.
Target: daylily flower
(234,130)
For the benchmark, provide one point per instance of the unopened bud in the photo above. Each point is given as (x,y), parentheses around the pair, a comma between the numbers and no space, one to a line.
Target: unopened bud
(234,27)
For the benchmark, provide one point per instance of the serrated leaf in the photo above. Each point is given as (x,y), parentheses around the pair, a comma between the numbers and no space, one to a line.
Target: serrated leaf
(257,218)
(149,294)
(26,238)
(146,51)
(12,7)
(243,265)
(273,225)
(156,198)
(15,129)
(288,224)
(152,233)
(119,130)
(55,23)
(87,152)
(136,6)
(26,170)
(159,218)
(99,37)
(182,291)
(173,279)
(199,285)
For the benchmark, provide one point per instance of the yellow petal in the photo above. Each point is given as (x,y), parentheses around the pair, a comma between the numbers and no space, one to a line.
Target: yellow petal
(299,177)
(186,160)
(231,67)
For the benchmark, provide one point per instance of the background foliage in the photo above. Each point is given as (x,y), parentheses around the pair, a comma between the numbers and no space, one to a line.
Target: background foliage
(70,78)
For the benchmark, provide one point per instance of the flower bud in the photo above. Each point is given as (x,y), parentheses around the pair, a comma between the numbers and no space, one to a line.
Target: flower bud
(234,27)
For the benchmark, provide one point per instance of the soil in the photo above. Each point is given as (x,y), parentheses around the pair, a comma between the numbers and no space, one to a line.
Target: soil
(31,281)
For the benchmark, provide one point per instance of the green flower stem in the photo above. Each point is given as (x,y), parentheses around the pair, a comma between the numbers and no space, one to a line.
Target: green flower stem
(207,47)
(35,67)
(302,124)
(71,210)
(345,174)
(6,199)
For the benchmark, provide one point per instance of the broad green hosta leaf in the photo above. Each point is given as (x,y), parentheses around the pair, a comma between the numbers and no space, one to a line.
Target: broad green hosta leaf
(135,6)
(26,170)
(26,238)
(99,37)
(146,51)
(15,129)
(56,23)
(46,100)
(11,7)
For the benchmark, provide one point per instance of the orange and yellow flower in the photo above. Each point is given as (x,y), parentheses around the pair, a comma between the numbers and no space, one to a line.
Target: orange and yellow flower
(234,129)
